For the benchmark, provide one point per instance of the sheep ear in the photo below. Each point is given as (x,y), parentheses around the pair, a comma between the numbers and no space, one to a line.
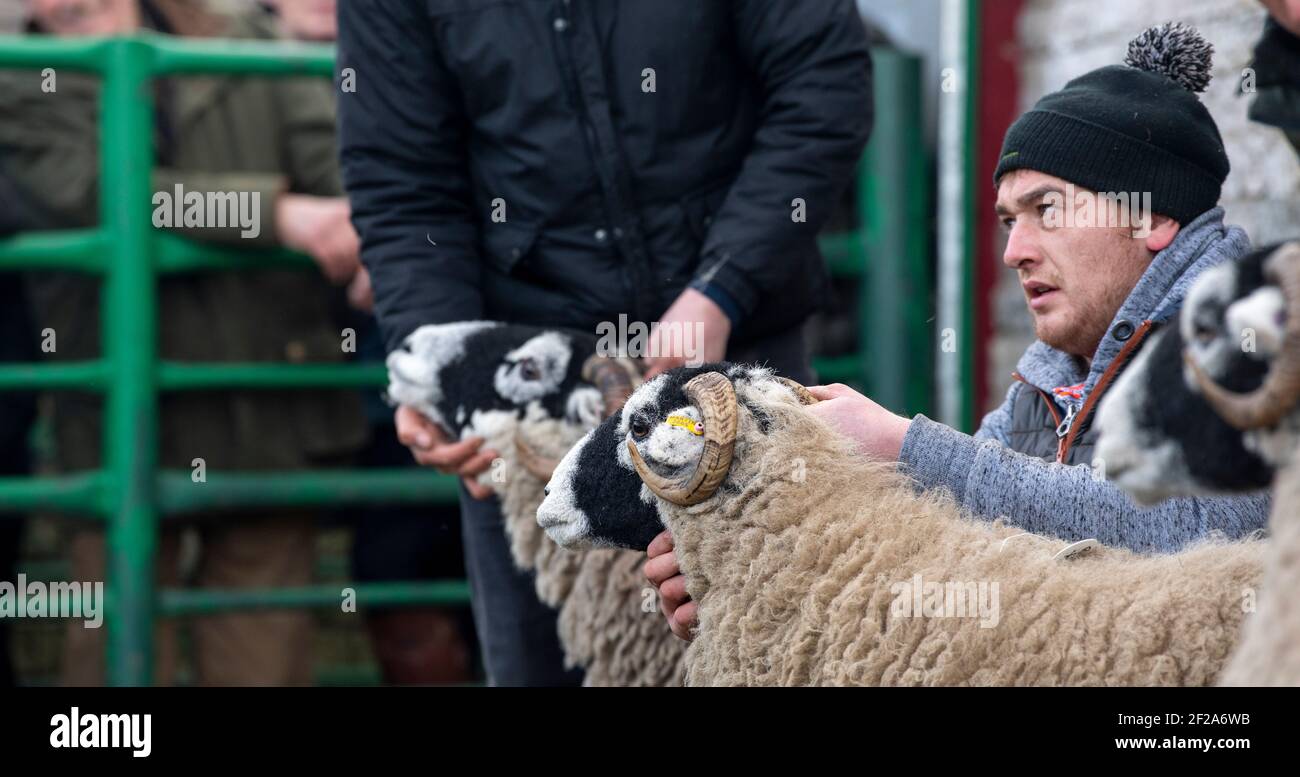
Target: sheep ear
(616,378)
(804,396)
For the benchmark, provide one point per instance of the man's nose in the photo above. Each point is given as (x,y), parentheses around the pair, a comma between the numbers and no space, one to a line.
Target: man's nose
(1021,249)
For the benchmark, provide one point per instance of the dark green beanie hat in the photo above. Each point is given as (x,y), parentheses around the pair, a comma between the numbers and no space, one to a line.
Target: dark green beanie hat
(1137,127)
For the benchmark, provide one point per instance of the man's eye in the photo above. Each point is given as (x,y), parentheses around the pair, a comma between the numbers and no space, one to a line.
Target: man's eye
(1008,224)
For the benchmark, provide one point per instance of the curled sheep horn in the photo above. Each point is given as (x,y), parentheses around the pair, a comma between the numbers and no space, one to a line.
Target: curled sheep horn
(535,464)
(1280,391)
(714,395)
(614,378)
(804,396)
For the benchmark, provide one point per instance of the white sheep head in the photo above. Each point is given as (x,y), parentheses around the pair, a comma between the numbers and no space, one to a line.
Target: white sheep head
(683,439)
(1209,405)
(467,375)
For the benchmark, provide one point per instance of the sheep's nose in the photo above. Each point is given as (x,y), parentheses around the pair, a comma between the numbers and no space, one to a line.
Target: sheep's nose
(546,491)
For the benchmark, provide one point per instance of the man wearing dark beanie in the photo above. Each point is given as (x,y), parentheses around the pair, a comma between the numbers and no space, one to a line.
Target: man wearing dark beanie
(1108,192)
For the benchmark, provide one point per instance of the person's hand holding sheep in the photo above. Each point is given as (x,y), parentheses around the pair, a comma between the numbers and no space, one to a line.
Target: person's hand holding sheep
(667,577)
(433,447)
(879,435)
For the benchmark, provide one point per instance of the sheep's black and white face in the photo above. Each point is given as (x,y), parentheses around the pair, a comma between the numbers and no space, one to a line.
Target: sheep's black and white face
(450,372)
(597,498)
(1158,436)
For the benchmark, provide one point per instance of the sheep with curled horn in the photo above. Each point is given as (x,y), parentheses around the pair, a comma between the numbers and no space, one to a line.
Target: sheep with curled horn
(532,392)
(1227,372)
(812,565)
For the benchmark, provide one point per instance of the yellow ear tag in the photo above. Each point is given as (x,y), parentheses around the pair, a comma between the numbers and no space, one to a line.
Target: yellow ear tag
(689,424)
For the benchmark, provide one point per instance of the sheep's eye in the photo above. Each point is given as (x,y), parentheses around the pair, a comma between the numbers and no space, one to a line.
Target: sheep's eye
(1204,334)
(640,428)
(528,370)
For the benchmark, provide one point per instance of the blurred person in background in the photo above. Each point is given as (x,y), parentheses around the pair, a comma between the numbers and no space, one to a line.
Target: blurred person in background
(272,137)
(413,645)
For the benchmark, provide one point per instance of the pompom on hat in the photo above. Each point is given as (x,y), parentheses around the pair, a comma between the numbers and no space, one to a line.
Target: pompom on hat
(1136,127)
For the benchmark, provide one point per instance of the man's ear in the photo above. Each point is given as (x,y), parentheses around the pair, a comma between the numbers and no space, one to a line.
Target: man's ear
(1163,232)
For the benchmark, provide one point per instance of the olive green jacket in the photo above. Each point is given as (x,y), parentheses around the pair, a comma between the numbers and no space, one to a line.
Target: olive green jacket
(228,135)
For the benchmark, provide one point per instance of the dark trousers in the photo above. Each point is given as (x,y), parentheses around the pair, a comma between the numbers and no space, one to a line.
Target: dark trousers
(517,633)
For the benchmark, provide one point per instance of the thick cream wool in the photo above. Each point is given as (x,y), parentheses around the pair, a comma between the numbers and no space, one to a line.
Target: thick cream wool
(605,625)
(1269,652)
(800,562)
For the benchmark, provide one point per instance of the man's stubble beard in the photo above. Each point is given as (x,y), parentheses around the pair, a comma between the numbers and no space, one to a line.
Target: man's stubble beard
(1092,319)
(1081,339)
(1090,324)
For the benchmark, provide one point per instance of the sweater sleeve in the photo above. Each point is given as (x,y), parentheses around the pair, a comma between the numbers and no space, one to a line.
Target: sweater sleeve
(1068,502)
(997,424)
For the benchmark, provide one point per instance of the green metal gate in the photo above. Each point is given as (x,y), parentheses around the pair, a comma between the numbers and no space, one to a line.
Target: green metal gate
(130,494)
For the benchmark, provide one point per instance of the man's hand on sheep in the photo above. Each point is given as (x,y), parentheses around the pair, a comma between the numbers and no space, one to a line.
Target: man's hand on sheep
(663,572)
(433,447)
(676,334)
(878,433)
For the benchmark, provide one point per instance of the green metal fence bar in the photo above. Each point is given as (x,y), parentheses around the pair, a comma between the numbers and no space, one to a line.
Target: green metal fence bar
(173,376)
(82,493)
(844,253)
(81,250)
(129,312)
(176,254)
(36,53)
(87,376)
(85,251)
(177,492)
(176,602)
(175,56)
(177,376)
(165,55)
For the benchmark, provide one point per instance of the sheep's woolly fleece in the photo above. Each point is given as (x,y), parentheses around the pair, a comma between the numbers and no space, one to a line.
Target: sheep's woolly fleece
(808,580)
(605,625)
(1269,653)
